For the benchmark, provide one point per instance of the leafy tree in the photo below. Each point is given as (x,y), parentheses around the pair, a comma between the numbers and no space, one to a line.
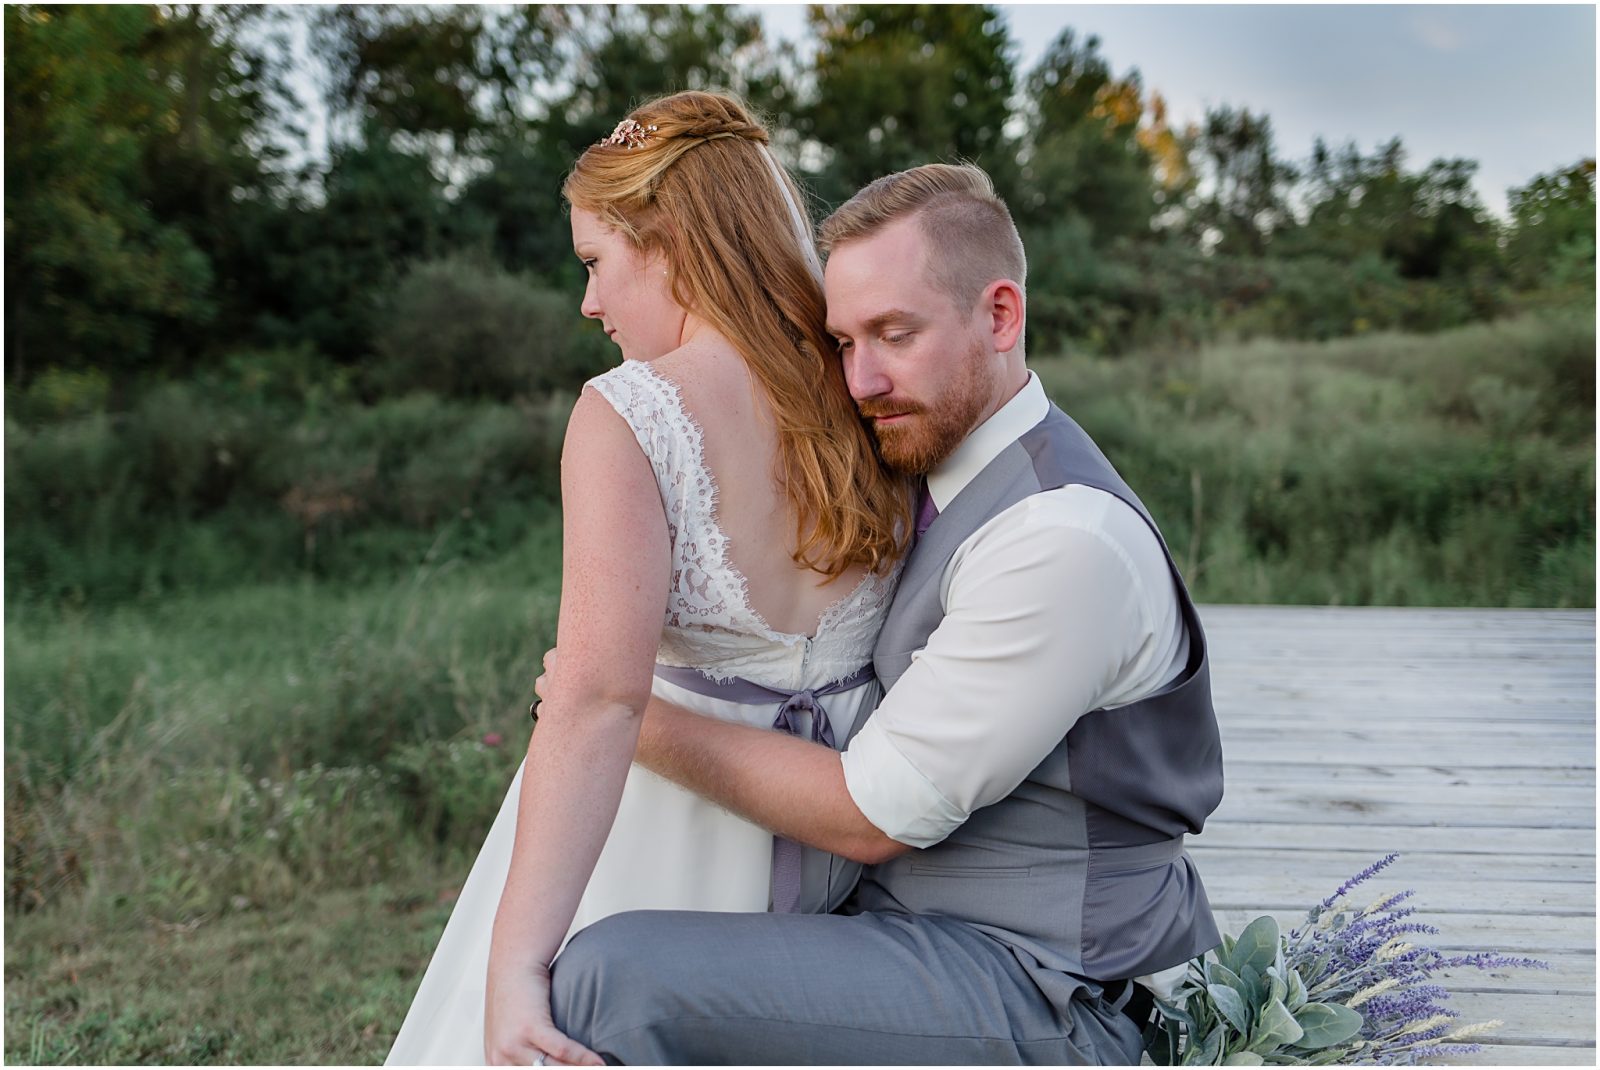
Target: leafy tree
(434,73)
(95,274)
(1430,224)
(222,159)
(618,57)
(1245,188)
(615,59)
(900,85)
(1553,228)
(326,266)
(1095,147)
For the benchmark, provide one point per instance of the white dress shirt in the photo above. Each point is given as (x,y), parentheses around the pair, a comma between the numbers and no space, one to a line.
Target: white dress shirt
(1061,604)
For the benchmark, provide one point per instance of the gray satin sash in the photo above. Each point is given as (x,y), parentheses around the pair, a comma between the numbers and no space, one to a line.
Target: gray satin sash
(785,853)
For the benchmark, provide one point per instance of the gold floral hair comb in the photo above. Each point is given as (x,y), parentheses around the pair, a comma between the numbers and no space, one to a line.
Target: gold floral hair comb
(630,133)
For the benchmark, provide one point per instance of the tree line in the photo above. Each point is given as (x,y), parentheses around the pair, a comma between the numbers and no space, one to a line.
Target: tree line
(163,220)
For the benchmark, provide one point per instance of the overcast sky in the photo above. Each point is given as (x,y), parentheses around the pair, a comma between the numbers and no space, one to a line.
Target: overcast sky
(1510,86)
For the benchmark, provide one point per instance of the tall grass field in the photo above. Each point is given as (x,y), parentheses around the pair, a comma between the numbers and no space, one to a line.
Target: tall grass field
(267,662)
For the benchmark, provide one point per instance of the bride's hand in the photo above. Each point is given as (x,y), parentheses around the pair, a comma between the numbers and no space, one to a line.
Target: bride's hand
(517,1028)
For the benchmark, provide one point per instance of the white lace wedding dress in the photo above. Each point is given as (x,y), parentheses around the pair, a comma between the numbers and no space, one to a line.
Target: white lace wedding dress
(668,849)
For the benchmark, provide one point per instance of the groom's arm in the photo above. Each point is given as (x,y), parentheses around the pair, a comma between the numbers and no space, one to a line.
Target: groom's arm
(1041,617)
(792,786)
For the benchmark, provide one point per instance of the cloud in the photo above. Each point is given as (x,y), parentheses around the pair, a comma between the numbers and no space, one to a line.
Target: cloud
(1436,33)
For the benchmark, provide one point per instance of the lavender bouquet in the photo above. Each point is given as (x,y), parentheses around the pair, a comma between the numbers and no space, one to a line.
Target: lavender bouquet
(1346,986)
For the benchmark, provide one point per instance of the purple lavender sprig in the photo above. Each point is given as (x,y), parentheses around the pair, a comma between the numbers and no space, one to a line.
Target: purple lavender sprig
(1360,878)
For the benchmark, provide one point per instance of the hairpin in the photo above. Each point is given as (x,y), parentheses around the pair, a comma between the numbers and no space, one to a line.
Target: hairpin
(630,133)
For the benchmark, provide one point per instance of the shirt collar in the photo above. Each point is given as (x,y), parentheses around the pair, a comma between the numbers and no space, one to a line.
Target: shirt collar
(1020,414)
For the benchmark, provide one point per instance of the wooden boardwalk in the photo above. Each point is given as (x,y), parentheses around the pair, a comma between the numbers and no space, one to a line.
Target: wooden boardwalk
(1464,739)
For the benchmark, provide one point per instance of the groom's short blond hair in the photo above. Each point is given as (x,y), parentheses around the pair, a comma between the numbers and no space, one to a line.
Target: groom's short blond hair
(971,238)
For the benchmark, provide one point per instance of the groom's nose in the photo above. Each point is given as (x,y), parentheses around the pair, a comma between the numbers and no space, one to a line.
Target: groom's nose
(865,374)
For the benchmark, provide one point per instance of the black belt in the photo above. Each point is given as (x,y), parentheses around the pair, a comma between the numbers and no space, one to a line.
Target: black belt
(1133,999)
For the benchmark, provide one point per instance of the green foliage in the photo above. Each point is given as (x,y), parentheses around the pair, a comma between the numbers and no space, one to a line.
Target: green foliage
(94,275)
(429,70)
(197,488)
(1434,457)
(1428,224)
(1553,241)
(155,227)
(139,738)
(901,85)
(460,328)
(513,212)
(1085,156)
(1248,197)
(326,267)
(455,787)
(623,55)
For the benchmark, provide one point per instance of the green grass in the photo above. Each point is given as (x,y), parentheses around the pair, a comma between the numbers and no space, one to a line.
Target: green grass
(264,741)
(323,980)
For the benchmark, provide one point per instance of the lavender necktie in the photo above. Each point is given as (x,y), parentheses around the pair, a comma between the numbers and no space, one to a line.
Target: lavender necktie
(926,511)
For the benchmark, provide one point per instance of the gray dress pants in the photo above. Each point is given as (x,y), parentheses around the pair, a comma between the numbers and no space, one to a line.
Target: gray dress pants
(678,987)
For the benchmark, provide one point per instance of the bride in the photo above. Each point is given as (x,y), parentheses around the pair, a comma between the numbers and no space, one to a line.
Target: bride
(730,544)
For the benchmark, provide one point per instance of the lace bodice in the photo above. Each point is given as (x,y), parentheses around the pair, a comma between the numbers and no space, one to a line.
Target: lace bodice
(709,623)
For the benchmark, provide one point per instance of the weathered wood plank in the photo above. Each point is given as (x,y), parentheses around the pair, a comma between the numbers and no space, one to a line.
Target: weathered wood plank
(1571,973)
(1397,738)
(1471,756)
(1376,840)
(1249,709)
(1299,771)
(1269,804)
(1401,792)
(1530,1019)
(1290,889)
(1266,702)
(1508,621)
(1520,934)
(1522,1055)
(1334,866)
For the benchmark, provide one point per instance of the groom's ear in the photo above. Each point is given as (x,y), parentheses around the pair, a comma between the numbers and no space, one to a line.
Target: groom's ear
(1005,310)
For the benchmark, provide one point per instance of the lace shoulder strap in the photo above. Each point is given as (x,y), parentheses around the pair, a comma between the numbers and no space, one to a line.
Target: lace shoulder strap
(669,438)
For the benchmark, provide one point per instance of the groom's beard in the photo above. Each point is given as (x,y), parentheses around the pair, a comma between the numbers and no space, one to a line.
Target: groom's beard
(930,432)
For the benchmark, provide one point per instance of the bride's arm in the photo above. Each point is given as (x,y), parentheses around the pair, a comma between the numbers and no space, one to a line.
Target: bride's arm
(615,572)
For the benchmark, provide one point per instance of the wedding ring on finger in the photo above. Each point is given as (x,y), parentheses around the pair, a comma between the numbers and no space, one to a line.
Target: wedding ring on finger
(544,1057)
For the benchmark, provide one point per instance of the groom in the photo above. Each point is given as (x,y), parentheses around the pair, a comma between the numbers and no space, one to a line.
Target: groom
(1020,797)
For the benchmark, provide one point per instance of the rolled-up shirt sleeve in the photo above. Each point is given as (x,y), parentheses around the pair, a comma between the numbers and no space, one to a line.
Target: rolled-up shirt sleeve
(1045,615)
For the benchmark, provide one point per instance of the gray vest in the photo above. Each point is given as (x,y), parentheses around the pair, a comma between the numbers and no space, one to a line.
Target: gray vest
(1082,867)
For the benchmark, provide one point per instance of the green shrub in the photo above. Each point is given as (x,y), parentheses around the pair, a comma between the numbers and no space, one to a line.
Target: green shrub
(1455,469)
(59,394)
(196,488)
(455,787)
(459,328)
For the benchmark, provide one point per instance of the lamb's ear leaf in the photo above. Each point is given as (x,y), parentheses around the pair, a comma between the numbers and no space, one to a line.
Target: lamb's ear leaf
(1257,946)
(1326,1024)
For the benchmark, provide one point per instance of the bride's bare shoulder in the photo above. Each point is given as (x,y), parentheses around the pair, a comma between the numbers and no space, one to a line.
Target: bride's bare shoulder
(710,377)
